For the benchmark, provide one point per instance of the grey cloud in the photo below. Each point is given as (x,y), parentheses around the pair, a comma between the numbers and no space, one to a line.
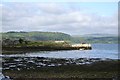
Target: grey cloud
(51,8)
(54,17)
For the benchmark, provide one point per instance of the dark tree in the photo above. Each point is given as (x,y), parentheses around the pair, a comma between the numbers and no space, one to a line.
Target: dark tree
(21,41)
(26,42)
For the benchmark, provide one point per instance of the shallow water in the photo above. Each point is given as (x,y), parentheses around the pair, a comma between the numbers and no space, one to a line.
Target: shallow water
(98,51)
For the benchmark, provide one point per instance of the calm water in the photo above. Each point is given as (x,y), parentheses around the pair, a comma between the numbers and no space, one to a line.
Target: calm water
(98,51)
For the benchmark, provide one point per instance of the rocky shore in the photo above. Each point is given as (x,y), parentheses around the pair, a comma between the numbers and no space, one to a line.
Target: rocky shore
(40,67)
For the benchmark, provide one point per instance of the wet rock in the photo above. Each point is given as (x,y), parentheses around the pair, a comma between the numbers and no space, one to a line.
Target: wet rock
(19,63)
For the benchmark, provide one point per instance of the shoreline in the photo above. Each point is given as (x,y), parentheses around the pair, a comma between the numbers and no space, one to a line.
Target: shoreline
(41,67)
(10,50)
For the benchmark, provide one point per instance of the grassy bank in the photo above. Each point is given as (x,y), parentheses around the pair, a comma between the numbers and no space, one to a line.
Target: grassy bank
(8,50)
(39,46)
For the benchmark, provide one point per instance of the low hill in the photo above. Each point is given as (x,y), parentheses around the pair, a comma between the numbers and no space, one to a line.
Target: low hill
(36,36)
(96,38)
(58,36)
(99,35)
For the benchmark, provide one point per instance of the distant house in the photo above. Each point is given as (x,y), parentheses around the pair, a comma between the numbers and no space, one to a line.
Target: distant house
(59,41)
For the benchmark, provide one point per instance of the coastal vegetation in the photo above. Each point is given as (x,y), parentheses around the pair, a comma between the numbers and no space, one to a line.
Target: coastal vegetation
(38,41)
(37,36)
(58,36)
(34,41)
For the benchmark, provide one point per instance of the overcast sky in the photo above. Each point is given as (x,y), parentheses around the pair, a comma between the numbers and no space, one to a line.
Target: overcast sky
(68,17)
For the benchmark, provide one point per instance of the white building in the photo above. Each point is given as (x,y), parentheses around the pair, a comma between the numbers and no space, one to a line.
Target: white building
(59,41)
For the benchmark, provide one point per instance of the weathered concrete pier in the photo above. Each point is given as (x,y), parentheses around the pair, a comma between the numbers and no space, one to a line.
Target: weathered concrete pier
(82,46)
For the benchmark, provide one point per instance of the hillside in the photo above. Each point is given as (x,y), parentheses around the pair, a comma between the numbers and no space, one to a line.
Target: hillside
(99,35)
(96,39)
(57,36)
(36,36)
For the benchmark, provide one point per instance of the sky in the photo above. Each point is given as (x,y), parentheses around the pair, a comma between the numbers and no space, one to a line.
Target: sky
(74,18)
